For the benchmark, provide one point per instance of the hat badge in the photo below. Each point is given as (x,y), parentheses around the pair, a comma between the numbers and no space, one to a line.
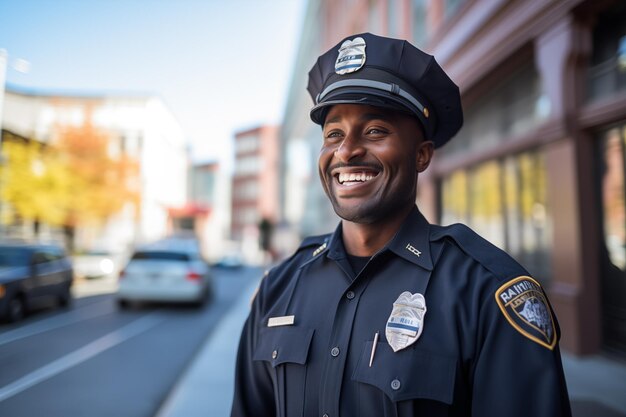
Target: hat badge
(351,56)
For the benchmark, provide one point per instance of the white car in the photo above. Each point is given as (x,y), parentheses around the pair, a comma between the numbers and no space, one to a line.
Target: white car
(165,275)
(97,264)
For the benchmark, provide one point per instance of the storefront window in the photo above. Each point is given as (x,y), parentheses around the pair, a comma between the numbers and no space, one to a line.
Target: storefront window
(505,201)
(455,192)
(514,106)
(485,208)
(612,248)
(613,203)
(607,69)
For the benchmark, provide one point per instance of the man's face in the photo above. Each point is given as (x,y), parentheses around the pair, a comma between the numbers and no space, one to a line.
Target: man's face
(369,161)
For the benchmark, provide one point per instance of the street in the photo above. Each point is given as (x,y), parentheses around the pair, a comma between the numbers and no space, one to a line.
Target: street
(96,360)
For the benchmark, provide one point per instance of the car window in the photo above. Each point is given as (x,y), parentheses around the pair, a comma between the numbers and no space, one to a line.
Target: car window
(41,257)
(161,255)
(14,257)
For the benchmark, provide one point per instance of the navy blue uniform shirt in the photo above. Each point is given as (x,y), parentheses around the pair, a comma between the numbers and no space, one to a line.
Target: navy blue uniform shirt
(487,346)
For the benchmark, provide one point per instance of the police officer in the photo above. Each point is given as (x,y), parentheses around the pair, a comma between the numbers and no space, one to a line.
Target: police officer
(390,315)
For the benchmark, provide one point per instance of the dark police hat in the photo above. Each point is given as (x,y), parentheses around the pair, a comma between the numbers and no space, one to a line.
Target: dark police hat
(391,73)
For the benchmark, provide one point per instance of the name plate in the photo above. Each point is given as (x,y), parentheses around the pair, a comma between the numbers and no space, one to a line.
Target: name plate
(281,321)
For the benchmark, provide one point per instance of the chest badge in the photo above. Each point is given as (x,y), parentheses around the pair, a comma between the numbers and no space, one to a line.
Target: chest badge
(406,322)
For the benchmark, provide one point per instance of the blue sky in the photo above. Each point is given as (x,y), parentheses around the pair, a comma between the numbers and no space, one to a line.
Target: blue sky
(220,65)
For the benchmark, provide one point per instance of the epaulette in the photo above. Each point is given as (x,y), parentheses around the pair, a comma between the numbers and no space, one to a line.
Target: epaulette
(320,243)
(498,262)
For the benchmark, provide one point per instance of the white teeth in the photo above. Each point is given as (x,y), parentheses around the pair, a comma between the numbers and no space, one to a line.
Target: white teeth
(355,177)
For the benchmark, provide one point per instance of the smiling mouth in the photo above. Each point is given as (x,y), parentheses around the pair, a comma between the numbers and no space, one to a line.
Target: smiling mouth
(354,178)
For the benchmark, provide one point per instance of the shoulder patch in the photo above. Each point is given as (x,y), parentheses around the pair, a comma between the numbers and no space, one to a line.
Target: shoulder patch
(524,305)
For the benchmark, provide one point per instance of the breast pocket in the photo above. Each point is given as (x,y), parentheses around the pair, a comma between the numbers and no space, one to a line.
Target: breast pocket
(409,374)
(286,349)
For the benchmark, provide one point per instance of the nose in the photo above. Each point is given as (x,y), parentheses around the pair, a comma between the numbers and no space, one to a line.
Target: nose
(350,147)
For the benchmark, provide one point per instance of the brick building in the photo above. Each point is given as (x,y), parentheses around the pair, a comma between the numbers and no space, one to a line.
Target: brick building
(538,168)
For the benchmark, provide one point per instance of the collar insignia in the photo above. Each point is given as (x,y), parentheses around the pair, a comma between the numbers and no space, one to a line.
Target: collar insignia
(351,56)
(413,250)
(406,322)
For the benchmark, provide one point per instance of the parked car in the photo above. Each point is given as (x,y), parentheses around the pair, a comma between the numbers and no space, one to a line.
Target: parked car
(31,274)
(231,261)
(165,273)
(98,264)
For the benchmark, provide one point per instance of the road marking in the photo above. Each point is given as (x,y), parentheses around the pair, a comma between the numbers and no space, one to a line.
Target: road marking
(71,317)
(81,355)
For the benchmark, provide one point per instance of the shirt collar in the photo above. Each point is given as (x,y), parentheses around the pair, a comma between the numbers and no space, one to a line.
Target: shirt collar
(411,242)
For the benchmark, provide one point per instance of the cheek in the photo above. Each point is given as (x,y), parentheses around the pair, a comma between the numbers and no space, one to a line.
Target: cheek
(324,158)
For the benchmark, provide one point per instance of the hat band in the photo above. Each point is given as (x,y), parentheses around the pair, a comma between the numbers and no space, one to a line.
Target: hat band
(377,85)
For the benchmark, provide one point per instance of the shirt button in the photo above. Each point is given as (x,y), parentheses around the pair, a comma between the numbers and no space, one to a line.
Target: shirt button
(334,351)
(350,295)
(274,354)
(395,385)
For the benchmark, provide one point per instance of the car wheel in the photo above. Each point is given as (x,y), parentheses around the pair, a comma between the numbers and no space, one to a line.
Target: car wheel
(16,309)
(65,299)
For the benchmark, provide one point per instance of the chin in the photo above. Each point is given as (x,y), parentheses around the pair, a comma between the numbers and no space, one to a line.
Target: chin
(371,212)
(358,214)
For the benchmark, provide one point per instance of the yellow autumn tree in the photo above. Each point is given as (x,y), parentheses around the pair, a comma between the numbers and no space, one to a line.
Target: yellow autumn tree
(33,183)
(103,180)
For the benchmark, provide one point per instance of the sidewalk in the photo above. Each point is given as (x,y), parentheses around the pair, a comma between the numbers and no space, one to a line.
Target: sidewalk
(597,385)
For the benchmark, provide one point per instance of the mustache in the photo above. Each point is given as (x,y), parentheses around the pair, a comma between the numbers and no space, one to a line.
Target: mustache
(354,164)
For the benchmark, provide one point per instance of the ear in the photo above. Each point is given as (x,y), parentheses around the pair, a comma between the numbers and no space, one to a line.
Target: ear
(425,151)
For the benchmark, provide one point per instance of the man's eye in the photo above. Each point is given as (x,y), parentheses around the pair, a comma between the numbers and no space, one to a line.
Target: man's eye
(376,131)
(333,134)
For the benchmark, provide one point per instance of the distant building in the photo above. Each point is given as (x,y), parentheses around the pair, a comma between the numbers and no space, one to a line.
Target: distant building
(140,126)
(206,215)
(255,183)
(538,167)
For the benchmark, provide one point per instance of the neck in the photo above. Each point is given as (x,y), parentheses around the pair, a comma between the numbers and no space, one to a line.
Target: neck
(366,239)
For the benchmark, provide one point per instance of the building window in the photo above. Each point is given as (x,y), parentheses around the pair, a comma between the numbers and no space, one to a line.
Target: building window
(513,107)
(248,190)
(613,195)
(246,144)
(505,201)
(248,165)
(607,69)
(420,33)
(394,18)
(451,7)
(374,18)
(612,248)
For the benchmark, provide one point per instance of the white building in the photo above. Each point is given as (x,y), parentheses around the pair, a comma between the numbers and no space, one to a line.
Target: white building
(141,126)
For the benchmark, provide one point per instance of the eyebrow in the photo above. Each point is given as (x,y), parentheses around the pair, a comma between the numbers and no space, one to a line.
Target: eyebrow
(364,117)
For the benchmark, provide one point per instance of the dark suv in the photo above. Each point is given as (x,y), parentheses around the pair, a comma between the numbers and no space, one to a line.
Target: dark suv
(30,273)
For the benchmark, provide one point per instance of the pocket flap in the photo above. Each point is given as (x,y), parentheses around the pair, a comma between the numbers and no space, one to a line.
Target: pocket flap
(407,374)
(283,345)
